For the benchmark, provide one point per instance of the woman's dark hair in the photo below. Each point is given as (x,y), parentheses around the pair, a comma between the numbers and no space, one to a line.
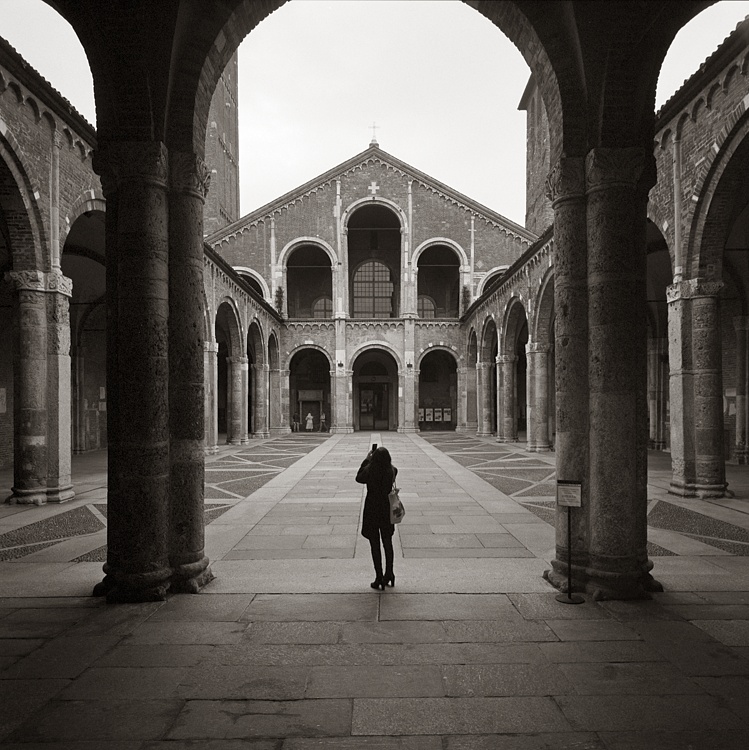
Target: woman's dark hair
(381,464)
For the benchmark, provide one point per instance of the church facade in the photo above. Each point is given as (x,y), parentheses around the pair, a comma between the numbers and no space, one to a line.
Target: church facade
(371,266)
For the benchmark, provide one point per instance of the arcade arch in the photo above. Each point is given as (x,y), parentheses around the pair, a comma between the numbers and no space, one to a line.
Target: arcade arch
(438,390)
(438,287)
(309,390)
(375,391)
(232,369)
(309,283)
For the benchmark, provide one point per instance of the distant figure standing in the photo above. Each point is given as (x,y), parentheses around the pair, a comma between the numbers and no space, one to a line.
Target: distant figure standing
(310,421)
(295,423)
(323,426)
(378,473)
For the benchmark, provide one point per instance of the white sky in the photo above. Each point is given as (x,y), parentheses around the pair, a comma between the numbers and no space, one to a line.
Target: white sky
(440,81)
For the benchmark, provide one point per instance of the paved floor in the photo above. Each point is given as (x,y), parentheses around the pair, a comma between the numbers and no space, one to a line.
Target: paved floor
(289,648)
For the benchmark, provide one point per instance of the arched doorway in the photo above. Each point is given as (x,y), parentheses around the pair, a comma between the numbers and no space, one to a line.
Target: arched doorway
(487,380)
(375,382)
(83,262)
(309,391)
(230,388)
(438,391)
(512,405)
(374,257)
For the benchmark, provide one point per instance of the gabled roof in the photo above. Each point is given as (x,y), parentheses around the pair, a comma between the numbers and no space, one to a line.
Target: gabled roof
(373,155)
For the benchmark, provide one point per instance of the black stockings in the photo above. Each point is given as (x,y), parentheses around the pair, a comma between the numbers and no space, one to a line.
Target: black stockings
(387,543)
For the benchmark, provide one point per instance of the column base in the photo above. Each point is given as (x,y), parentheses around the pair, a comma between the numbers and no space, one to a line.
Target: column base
(132,588)
(60,494)
(604,585)
(277,431)
(408,428)
(189,578)
(480,433)
(260,435)
(341,430)
(27,497)
(506,440)
(703,491)
(210,450)
(540,449)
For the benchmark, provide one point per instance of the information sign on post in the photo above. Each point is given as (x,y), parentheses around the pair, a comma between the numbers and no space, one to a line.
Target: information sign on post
(569,495)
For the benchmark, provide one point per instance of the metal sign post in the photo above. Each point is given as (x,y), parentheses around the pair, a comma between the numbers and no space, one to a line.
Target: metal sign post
(569,495)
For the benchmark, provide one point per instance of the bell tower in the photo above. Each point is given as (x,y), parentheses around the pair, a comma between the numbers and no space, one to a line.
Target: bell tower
(222,152)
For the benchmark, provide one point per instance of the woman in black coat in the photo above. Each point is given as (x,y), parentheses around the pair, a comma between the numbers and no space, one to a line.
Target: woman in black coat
(378,473)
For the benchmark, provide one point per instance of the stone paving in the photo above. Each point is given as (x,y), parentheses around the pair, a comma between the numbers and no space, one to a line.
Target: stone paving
(289,648)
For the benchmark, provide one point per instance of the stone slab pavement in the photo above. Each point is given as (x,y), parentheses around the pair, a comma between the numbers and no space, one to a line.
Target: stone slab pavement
(290,649)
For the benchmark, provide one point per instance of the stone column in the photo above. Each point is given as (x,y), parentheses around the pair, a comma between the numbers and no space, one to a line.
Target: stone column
(210,364)
(507,363)
(59,479)
(285,402)
(471,399)
(277,424)
(653,380)
(483,370)
(30,444)
(134,178)
(409,382)
(462,415)
(663,377)
(697,455)
(741,324)
(538,397)
(189,180)
(248,388)
(566,190)
(235,401)
(617,183)
(260,404)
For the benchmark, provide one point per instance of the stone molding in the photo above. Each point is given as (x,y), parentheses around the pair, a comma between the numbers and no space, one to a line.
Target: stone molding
(506,359)
(693,288)
(189,174)
(210,346)
(38,281)
(566,180)
(537,348)
(123,161)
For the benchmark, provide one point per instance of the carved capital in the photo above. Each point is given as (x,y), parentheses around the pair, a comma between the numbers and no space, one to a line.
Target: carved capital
(506,359)
(566,180)
(188,173)
(693,288)
(537,348)
(37,281)
(609,167)
(124,161)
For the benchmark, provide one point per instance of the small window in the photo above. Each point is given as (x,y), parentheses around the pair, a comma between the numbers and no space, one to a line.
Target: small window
(426,307)
(322,307)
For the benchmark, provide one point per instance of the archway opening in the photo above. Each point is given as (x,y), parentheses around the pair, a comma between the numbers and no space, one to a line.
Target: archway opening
(438,391)
(83,262)
(375,385)
(309,283)
(253,283)
(439,283)
(374,251)
(229,382)
(309,391)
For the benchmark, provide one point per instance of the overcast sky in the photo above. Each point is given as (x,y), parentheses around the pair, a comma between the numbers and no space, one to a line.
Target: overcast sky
(441,83)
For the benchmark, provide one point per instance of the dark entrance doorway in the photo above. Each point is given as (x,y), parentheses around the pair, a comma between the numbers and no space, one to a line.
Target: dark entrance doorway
(374,399)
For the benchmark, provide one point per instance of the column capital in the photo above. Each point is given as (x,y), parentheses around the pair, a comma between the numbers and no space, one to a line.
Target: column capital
(237,360)
(210,346)
(483,365)
(260,367)
(693,288)
(118,162)
(566,180)
(38,281)
(189,174)
(506,359)
(537,348)
(610,167)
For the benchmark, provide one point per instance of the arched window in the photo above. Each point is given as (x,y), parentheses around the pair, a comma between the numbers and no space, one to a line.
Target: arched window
(322,307)
(373,291)
(426,307)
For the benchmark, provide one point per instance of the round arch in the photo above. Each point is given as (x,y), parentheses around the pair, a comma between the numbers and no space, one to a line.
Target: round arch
(491,275)
(515,317)
(252,273)
(351,209)
(297,242)
(543,319)
(375,369)
(461,253)
(438,389)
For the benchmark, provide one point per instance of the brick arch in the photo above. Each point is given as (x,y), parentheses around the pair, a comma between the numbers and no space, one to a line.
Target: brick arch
(304,347)
(434,241)
(376,345)
(715,191)
(352,208)
(515,314)
(26,234)
(427,350)
(85,203)
(543,317)
(485,353)
(297,242)
(256,337)
(233,325)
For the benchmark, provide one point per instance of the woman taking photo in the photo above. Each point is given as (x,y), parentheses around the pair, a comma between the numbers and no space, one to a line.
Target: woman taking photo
(378,473)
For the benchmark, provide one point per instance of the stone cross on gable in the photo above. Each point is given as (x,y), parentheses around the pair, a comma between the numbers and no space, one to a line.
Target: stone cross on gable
(373,188)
